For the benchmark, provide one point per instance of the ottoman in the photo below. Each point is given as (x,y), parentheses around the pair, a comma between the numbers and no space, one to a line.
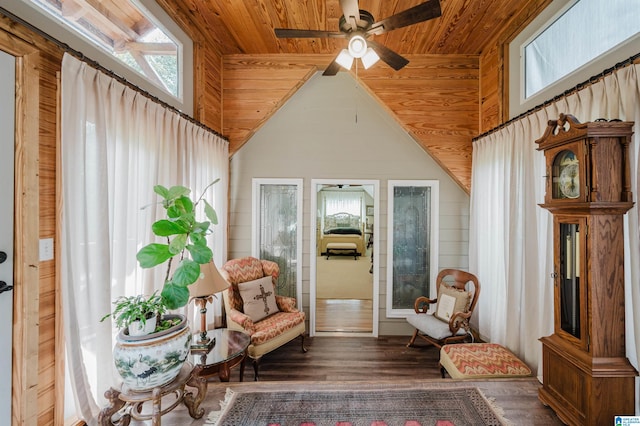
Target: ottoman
(344,248)
(480,361)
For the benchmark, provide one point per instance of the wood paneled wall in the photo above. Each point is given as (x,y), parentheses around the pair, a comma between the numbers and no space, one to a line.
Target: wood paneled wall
(434,98)
(35,316)
(207,66)
(494,75)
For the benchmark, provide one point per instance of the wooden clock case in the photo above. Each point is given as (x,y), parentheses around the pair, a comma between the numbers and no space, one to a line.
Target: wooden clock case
(587,379)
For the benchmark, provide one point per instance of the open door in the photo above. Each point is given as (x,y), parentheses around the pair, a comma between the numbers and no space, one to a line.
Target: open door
(343,271)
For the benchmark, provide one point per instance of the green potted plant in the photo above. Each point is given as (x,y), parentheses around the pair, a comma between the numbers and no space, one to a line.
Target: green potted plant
(149,361)
(137,314)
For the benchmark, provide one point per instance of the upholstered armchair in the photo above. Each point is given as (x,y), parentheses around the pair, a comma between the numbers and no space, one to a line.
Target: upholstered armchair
(457,295)
(252,306)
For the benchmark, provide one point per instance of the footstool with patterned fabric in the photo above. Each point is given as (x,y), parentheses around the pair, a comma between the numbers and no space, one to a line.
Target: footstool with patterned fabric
(480,361)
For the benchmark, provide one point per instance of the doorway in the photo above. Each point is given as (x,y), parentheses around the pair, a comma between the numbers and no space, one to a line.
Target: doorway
(7,140)
(343,267)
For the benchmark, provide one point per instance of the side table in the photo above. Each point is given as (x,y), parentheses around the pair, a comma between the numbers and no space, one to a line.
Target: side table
(229,350)
(129,403)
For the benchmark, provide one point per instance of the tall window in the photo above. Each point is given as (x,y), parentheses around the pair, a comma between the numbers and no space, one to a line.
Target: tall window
(129,33)
(277,230)
(413,244)
(568,43)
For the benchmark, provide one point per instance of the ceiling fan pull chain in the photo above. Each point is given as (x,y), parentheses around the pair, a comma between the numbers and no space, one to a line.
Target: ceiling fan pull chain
(357,92)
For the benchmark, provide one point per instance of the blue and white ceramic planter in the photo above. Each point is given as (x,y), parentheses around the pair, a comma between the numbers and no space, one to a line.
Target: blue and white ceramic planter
(145,362)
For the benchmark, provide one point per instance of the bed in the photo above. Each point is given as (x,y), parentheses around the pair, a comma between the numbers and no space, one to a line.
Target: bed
(342,228)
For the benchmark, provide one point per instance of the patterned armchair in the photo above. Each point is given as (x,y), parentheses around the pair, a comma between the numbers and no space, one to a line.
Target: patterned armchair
(275,329)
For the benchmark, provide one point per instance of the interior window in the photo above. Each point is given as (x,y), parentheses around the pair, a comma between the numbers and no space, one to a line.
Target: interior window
(127,31)
(566,45)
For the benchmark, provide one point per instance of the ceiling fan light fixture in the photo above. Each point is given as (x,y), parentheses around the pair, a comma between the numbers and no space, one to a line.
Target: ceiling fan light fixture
(357,46)
(369,58)
(344,59)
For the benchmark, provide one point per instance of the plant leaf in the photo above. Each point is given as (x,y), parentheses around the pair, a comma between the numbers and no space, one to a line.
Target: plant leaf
(210,212)
(177,191)
(174,295)
(184,204)
(201,227)
(173,212)
(200,253)
(187,273)
(161,191)
(198,238)
(164,228)
(177,244)
(153,254)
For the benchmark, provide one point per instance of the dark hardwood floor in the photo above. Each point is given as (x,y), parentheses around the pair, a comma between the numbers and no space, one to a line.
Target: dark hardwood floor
(384,362)
(349,359)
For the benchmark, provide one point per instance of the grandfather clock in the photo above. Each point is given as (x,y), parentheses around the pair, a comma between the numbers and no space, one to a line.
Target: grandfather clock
(587,379)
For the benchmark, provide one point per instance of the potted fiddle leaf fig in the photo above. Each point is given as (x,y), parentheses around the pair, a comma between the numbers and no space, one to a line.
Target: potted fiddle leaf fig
(184,234)
(149,361)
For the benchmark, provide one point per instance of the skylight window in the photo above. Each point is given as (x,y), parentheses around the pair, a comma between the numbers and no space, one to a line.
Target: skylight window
(126,31)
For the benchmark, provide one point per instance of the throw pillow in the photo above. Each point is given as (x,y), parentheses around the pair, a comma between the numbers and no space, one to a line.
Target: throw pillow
(451,300)
(258,298)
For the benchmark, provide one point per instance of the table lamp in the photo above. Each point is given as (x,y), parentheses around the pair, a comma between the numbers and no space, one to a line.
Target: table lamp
(202,291)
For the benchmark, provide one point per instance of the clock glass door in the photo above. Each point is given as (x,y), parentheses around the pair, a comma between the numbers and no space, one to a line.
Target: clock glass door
(570,291)
(570,278)
(566,176)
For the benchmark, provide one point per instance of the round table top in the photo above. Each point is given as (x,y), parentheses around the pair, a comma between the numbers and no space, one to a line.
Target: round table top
(229,344)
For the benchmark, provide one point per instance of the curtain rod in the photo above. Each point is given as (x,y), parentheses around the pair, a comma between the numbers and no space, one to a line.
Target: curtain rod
(79,55)
(591,80)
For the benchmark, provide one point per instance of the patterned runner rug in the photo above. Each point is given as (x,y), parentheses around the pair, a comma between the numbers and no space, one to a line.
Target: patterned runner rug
(401,407)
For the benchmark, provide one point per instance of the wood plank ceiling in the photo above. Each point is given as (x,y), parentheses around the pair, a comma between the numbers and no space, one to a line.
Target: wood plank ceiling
(247,27)
(441,88)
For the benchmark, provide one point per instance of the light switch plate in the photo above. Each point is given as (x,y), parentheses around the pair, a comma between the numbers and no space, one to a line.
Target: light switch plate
(46,249)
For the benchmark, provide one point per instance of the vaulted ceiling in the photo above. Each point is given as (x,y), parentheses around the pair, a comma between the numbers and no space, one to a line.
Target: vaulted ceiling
(453,78)
(247,26)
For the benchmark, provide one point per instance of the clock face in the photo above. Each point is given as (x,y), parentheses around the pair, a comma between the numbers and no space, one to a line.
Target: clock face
(569,181)
(566,177)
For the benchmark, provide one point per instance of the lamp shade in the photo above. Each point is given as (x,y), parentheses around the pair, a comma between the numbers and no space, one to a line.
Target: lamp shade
(344,59)
(369,58)
(210,282)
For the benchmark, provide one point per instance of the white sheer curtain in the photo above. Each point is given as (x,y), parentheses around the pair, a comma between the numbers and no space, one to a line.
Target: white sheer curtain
(343,202)
(510,235)
(116,145)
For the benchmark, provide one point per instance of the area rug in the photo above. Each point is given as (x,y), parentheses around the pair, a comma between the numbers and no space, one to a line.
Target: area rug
(401,407)
(342,277)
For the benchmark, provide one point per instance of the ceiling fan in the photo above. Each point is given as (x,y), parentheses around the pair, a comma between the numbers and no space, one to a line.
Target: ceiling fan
(358,25)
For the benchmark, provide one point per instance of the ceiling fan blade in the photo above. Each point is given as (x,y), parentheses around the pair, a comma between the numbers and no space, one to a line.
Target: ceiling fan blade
(351,12)
(332,69)
(420,13)
(292,33)
(392,59)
